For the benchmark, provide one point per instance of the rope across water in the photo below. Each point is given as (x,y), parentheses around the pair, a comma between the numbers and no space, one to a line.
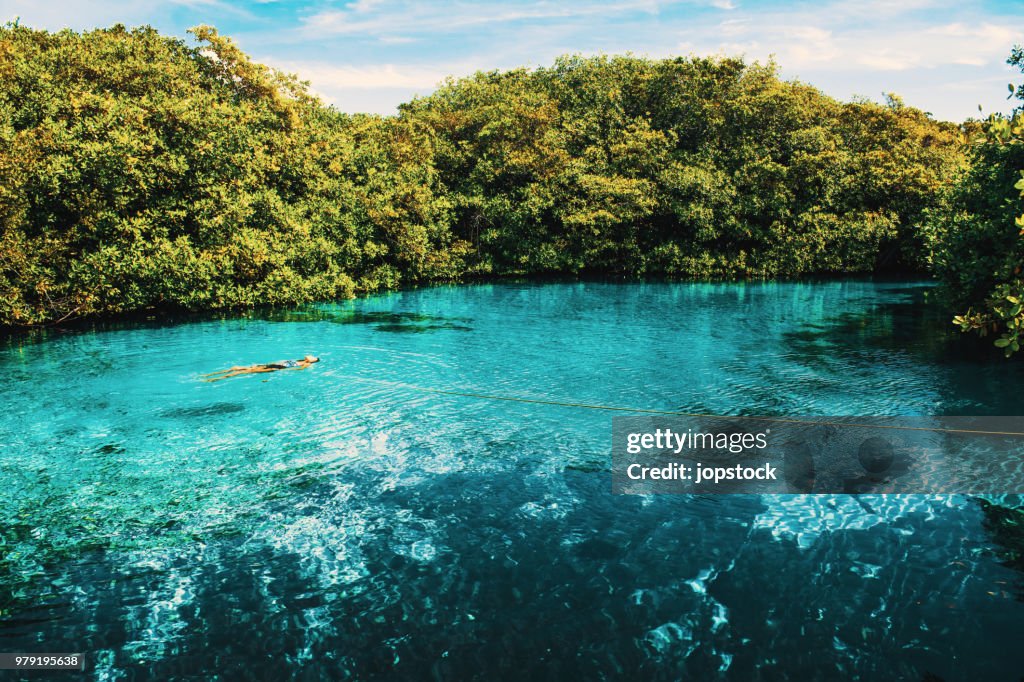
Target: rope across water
(670,413)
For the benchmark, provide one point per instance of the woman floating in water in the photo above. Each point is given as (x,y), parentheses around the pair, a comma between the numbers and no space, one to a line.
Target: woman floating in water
(239,370)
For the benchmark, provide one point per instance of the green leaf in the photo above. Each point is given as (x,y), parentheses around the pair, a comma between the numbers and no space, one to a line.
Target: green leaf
(1002,343)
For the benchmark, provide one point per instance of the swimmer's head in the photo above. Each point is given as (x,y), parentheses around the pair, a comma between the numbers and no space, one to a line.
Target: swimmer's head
(311,358)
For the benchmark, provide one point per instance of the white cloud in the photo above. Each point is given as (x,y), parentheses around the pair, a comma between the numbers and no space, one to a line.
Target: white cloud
(375,88)
(444,18)
(798,46)
(220,6)
(76,14)
(362,6)
(84,15)
(324,76)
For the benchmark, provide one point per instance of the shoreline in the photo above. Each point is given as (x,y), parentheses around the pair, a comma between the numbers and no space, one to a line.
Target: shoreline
(164,315)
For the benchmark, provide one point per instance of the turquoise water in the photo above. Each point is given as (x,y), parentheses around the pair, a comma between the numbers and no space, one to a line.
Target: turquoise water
(339,522)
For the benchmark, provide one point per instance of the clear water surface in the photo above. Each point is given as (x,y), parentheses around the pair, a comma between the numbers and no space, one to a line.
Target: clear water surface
(339,522)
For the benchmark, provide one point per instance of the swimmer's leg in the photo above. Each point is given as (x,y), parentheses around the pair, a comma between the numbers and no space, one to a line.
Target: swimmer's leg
(240,371)
(236,368)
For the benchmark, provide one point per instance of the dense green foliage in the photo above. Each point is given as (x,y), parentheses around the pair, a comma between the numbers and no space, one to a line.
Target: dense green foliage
(975,234)
(682,167)
(138,171)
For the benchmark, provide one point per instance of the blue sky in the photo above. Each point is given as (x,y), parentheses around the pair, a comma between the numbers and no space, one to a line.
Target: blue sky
(944,56)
